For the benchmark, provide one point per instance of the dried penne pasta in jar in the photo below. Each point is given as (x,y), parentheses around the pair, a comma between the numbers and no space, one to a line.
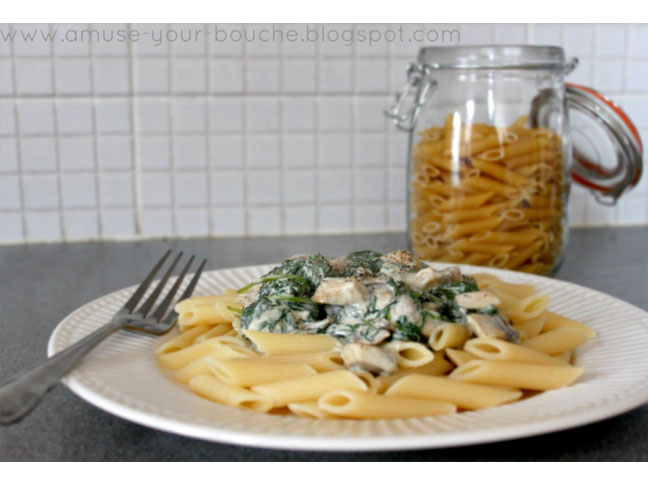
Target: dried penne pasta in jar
(491,154)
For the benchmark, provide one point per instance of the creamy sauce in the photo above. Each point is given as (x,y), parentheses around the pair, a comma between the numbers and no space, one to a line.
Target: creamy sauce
(365,298)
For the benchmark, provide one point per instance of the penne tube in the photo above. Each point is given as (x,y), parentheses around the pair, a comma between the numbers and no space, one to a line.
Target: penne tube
(438,366)
(452,257)
(466,202)
(554,321)
(507,299)
(531,214)
(499,261)
(409,354)
(458,356)
(369,379)
(247,372)
(489,185)
(217,330)
(519,122)
(464,395)
(526,146)
(525,254)
(178,359)
(281,343)
(565,356)
(530,328)
(557,341)
(503,237)
(471,214)
(476,146)
(489,248)
(182,340)
(212,388)
(516,375)
(471,227)
(448,335)
(319,361)
(310,388)
(363,405)
(527,308)
(500,173)
(499,350)
(310,410)
(532,158)
(194,368)
(217,309)
(476,258)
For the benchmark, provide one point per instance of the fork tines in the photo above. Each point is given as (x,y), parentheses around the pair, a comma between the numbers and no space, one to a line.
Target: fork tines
(144,311)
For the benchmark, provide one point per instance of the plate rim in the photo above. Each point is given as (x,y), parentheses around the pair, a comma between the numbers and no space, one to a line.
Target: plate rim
(351,444)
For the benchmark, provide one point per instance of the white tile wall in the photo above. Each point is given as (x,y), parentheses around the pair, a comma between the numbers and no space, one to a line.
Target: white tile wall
(106,138)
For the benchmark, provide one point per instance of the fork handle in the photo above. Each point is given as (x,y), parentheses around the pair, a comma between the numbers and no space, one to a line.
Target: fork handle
(21,394)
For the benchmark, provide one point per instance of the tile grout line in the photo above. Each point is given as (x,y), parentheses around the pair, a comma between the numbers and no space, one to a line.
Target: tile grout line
(208,152)
(95,150)
(136,168)
(354,92)
(315,104)
(282,78)
(171,129)
(244,121)
(57,147)
(19,151)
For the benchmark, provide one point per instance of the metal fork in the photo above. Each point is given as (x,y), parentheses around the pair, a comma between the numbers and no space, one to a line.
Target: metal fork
(21,394)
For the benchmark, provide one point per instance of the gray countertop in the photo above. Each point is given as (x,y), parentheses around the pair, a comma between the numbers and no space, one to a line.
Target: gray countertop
(41,284)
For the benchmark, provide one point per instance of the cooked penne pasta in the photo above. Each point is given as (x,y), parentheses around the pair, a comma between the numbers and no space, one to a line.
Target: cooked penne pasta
(554,321)
(374,336)
(409,354)
(182,341)
(516,375)
(207,310)
(310,410)
(499,350)
(448,335)
(531,328)
(557,341)
(283,392)
(358,404)
(527,308)
(463,395)
(437,367)
(214,389)
(247,372)
(280,343)
(458,356)
(226,344)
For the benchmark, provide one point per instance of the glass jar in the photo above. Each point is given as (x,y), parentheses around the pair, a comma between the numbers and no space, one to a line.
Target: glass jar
(492,152)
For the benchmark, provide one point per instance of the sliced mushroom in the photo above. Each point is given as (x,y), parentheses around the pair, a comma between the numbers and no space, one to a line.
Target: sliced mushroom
(369,358)
(340,291)
(404,307)
(450,274)
(338,264)
(477,300)
(430,325)
(494,326)
(316,325)
(422,279)
(383,293)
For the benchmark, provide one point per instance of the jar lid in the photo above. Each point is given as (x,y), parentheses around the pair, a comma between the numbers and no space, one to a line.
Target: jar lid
(606,146)
(494,57)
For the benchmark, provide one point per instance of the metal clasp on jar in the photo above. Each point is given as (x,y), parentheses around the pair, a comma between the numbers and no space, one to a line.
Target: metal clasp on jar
(420,86)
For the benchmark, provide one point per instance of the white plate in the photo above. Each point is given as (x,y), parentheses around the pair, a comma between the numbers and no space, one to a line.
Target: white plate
(122,378)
